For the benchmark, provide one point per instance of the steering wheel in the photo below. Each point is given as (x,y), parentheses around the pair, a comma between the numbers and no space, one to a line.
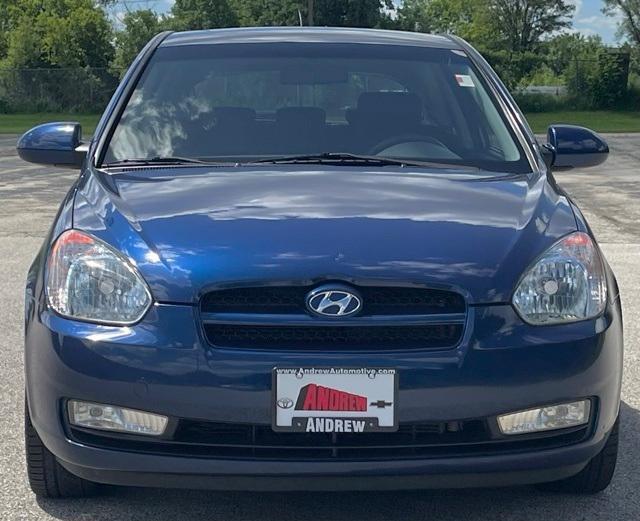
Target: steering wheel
(405,138)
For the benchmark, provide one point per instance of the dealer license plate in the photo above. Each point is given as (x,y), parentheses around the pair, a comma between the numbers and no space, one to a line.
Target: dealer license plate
(334,399)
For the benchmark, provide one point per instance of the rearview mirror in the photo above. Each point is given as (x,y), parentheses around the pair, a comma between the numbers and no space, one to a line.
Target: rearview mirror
(575,147)
(55,144)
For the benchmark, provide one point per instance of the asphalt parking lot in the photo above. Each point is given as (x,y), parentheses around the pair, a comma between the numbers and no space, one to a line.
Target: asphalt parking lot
(29,196)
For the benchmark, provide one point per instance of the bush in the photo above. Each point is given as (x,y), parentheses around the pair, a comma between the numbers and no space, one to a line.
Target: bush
(513,67)
(601,83)
(631,100)
(539,102)
(610,85)
(545,75)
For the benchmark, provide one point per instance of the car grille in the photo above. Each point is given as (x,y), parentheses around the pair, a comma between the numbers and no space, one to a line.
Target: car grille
(377,300)
(356,337)
(276,317)
(412,440)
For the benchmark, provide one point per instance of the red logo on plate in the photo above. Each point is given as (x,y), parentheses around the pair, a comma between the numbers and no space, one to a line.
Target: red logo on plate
(314,397)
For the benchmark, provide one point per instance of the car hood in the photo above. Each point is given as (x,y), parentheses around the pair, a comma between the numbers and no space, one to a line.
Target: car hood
(189,229)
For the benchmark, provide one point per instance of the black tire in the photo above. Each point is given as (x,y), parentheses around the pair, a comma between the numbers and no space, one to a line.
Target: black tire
(47,478)
(596,476)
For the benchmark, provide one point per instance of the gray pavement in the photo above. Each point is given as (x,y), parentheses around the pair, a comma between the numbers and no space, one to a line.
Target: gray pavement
(29,196)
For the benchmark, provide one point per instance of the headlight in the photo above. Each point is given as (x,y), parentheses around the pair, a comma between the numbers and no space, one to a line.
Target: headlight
(88,280)
(567,283)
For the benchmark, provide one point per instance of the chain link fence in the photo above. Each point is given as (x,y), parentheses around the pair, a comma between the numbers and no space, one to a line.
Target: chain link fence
(56,90)
(601,81)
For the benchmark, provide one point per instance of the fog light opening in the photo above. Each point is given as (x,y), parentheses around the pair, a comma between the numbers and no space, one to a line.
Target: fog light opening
(550,417)
(112,418)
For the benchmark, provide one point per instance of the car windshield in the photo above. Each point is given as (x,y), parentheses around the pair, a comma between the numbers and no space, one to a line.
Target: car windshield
(260,101)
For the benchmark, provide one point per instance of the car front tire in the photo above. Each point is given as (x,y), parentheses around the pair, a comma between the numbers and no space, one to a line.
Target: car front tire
(47,478)
(596,476)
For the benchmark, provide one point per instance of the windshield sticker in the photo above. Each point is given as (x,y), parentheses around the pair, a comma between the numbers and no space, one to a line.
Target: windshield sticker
(464,80)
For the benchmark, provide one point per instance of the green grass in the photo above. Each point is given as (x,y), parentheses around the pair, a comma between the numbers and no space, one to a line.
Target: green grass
(19,123)
(600,121)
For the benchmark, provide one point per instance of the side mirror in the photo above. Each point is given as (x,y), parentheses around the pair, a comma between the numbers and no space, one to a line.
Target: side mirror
(575,147)
(55,144)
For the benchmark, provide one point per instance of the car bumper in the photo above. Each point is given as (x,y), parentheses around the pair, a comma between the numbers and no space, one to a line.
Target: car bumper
(502,365)
(223,474)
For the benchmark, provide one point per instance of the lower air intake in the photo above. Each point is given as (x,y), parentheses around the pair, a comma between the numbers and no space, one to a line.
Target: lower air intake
(436,336)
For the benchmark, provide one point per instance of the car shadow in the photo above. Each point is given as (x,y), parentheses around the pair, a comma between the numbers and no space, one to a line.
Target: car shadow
(619,502)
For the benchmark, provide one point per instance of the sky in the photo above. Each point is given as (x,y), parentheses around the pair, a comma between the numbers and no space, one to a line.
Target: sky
(588,18)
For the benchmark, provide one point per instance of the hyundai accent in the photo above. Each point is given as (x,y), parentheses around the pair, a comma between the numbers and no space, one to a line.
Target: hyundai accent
(318,259)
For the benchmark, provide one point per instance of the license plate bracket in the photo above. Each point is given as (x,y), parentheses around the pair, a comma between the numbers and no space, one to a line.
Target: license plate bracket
(334,399)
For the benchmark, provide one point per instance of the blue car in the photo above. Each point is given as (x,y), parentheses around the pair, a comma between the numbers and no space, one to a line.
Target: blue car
(318,259)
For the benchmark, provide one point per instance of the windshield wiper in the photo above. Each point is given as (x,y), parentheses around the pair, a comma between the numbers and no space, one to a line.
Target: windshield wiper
(158,160)
(342,158)
(355,159)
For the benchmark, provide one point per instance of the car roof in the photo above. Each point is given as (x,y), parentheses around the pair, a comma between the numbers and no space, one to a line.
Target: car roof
(307,35)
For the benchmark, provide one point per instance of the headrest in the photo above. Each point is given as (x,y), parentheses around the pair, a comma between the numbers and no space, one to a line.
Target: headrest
(401,103)
(301,116)
(227,115)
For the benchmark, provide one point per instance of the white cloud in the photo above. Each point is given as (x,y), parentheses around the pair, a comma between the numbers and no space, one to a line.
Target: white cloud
(588,20)
(599,21)
(601,24)
(578,6)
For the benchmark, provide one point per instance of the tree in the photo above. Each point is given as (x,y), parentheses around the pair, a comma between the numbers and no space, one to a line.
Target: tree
(500,25)
(630,10)
(521,24)
(5,26)
(260,13)
(58,33)
(441,16)
(333,13)
(350,13)
(610,88)
(202,14)
(563,50)
(271,12)
(71,40)
(138,28)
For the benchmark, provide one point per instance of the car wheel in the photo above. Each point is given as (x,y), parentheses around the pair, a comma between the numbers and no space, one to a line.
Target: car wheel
(47,478)
(596,476)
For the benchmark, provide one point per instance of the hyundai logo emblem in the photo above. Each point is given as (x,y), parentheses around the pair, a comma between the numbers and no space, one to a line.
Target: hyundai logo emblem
(285,403)
(333,302)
